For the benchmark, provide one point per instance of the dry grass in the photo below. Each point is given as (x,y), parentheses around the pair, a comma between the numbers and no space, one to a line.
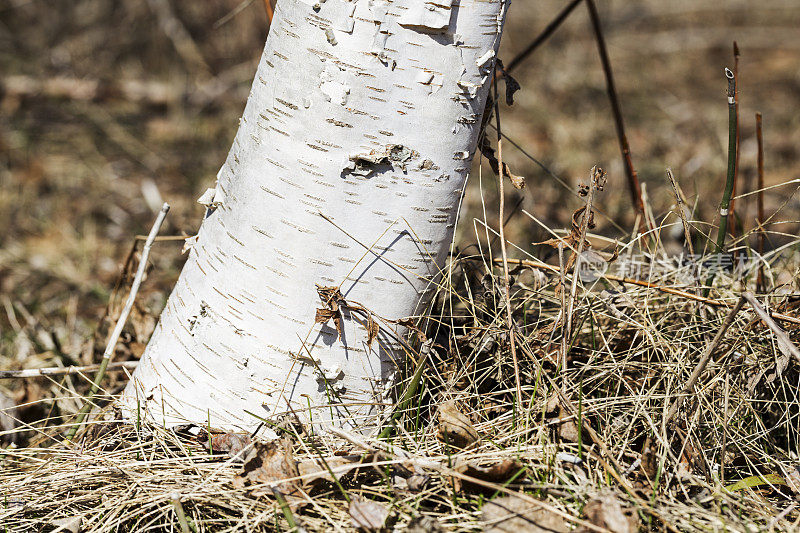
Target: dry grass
(631,355)
(85,174)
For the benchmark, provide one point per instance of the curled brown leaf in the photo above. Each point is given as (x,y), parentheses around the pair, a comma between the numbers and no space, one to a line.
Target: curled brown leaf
(455,428)
(367,515)
(271,465)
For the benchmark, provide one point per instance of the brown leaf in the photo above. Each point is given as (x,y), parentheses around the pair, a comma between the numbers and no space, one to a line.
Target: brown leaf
(411,325)
(488,152)
(270,462)
(231,443)
(314,470)
(372,330)
(367,515)
(333,300)
(323,315)
(605,510)
(568,429)
(512,86)
(511,514)
(517,181)
(567,426)
(454,426)
(501,472)
(331,297)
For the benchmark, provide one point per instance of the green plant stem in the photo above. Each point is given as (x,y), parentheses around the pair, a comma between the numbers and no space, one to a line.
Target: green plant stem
(732,129)
(123,318)
(407,396)
(176,502)
(287,511)
(726,195)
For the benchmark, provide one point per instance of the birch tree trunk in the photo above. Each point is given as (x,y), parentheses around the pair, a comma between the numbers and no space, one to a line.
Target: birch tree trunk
(347,170)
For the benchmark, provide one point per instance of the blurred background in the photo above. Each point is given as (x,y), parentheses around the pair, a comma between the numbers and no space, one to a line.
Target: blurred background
(109,107)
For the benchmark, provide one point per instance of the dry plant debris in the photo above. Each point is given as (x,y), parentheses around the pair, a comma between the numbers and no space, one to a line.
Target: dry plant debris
(270,465)
(455,427)
(510,514)
(605,510)
(367,515)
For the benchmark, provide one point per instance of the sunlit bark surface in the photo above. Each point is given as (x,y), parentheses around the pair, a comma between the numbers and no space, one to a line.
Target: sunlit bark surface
(347,171)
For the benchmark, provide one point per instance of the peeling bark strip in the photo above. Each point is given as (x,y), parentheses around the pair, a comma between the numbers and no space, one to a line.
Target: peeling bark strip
(363,116)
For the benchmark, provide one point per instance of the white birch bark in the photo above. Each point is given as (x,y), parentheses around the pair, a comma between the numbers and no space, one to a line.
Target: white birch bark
(347,170)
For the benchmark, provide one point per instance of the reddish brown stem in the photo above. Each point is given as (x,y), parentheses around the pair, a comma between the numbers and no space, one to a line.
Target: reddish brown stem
(633,180)
(542,37)
(760,220)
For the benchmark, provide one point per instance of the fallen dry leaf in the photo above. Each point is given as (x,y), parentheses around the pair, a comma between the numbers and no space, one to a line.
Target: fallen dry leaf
(454,426)
(501,472)
(488,152)
(568,428)
(231,443)
(314,470)
(367,515)
(333,300)
(270,462)
(566,424)
(511,514)
(605,510)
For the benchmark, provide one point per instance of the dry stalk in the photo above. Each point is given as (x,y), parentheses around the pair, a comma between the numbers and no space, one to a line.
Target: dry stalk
(785,344)
(679,199)
(630,172)
(64,371)
(597,177)
(760,286)
(704,359)
(507,277)
(123,318)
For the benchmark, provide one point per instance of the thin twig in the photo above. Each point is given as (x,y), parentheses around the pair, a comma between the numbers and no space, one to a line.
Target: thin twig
(123,318)
(687,233)
(596,179)
(181,39)
(704,359)
(630,172)
(542,37)
(63,371)
(562,313)
(507,280)
(760,286)
(785,344)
